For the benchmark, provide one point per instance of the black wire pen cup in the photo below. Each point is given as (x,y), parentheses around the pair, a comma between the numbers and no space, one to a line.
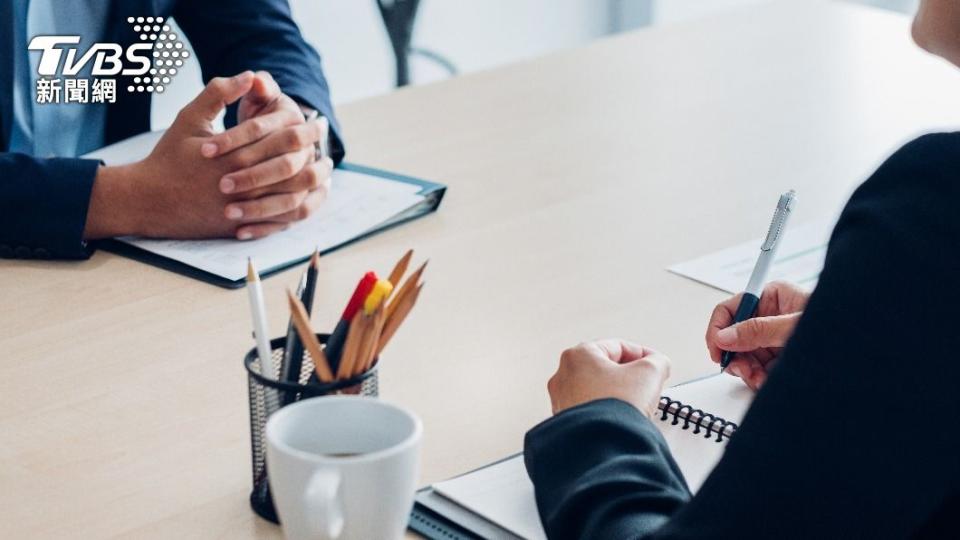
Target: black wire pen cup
(266,396)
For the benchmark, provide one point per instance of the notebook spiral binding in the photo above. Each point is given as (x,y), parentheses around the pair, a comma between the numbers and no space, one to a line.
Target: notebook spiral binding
(701,421)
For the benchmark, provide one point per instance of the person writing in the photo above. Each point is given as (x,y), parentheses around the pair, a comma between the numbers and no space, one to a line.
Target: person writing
(256,178)
(851,433)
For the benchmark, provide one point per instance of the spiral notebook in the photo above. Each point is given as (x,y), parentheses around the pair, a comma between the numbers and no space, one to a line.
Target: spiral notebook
(497,501)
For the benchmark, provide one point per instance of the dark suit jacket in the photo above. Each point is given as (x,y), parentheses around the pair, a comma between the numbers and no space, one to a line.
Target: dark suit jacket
(855,433)
(43,202)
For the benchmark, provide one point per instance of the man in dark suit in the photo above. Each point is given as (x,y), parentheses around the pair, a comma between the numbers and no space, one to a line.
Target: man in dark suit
(853,432)
(256,178)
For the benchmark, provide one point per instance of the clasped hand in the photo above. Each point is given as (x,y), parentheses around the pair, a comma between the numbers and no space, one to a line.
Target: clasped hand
(247,182)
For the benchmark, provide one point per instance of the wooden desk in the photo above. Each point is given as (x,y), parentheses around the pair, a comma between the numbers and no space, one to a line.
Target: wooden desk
(574,180)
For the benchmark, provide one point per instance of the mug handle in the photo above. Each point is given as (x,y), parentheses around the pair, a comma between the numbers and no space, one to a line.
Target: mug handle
(322,506)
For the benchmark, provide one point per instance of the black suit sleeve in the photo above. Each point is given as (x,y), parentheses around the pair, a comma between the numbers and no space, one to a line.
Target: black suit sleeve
(230,36)
(620,467)
(854,433)
(43,206)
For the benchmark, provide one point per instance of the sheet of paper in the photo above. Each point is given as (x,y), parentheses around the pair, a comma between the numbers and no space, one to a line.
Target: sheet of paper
(503,493)
(357,203)
(799,260)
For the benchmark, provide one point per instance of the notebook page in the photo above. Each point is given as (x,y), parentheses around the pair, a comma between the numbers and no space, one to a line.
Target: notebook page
(799,260)
(503,493)
(356,204)
(721,395)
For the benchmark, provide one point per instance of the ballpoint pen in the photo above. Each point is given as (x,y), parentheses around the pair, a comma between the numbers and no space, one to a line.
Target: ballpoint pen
(768,250)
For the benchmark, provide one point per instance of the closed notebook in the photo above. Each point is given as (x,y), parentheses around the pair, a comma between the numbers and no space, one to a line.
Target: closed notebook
(497,501)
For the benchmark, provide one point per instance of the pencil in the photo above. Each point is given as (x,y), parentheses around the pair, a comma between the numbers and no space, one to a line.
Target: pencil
(370,341)
(311,286)
(352,344)
(408,286)
(401,268)
(302,321)
(381,290)
(292,347)
(394,321)
(290,371)
(259,313)
(338,337)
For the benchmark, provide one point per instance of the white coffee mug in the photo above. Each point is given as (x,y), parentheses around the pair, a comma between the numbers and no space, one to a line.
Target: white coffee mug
(343,467)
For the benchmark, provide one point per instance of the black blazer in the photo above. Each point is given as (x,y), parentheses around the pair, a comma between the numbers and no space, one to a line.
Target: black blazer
(43,202)
(854,435)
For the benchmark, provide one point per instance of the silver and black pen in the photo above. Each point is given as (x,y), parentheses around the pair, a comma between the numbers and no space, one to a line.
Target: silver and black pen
(768,251)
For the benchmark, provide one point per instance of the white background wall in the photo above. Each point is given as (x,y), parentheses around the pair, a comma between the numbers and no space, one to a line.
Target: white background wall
(666,11)
(474,34)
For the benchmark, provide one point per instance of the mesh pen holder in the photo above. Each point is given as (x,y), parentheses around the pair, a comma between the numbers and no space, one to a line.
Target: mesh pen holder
(268,395)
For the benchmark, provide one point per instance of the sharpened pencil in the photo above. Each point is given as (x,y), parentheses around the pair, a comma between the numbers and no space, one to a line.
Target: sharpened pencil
(408,286)
(302,321)
(350,347)
(337,339)
(400,269)
(306,298)
(292,348)
(394,321)
(370,341)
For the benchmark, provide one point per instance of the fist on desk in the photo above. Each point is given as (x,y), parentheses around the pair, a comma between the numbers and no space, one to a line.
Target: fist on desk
(609,369)
(247,182)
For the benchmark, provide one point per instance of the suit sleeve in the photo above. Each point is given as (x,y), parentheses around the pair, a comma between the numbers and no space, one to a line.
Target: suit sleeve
(43,206)
(602,470)
(851,436)
(230,36)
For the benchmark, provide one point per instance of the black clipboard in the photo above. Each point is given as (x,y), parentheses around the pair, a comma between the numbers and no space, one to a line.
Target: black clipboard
(433,194)
(433,526)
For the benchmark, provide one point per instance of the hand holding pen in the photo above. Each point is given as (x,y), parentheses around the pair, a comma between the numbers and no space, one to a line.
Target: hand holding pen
(748,302)
(757,342)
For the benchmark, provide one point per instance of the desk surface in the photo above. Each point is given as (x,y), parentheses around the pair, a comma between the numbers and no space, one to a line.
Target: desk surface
(574,180)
